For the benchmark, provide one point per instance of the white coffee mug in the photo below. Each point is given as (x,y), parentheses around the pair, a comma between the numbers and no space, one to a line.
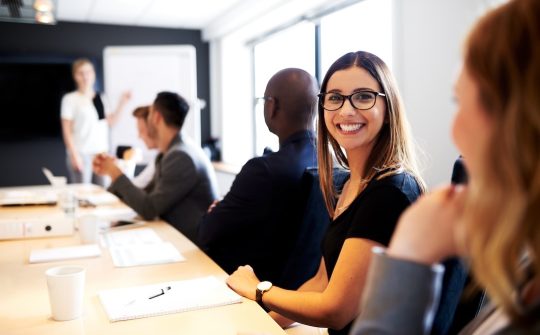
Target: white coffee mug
(66,291)
(89,228)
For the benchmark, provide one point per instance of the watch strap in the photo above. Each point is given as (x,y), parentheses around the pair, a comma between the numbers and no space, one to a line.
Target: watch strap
(258,298)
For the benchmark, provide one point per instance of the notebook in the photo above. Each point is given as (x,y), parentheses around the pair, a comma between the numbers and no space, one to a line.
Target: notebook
(166,298)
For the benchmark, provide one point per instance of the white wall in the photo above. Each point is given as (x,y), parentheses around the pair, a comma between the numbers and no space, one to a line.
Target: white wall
(427,54)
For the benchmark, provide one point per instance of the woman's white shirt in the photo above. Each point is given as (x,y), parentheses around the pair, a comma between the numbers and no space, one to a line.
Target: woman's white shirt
(145,176)
(90,134)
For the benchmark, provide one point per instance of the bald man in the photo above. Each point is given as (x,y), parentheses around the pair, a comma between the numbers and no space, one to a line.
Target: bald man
(257,222)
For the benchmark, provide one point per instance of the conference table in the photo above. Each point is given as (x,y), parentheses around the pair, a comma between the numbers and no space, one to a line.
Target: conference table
(24,301)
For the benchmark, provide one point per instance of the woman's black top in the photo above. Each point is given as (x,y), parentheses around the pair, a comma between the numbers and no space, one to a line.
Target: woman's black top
(373,215)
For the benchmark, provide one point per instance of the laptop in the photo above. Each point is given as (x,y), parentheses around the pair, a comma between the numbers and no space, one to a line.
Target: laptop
(27,198)
(31,196)
(54,180)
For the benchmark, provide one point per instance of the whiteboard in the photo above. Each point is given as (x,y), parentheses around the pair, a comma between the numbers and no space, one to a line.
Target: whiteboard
(146,71)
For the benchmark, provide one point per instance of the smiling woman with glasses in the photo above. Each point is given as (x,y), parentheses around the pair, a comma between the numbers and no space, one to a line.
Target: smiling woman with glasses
(370,140)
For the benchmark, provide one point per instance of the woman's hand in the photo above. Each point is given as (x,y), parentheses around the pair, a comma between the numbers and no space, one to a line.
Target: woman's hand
(244,281)
(427,230)
(76,162)
(112,118)
(125,97)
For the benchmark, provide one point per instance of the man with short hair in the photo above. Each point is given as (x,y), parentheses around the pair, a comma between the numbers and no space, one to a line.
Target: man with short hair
(257,222)
(184,182)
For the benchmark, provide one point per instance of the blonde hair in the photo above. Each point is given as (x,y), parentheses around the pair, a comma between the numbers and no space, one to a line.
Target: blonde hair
(393,150)
(80,62)
(502,54)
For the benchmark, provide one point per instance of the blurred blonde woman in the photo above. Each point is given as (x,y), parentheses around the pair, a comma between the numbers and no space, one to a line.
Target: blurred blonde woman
(86,118)
(361,120)
(495,221)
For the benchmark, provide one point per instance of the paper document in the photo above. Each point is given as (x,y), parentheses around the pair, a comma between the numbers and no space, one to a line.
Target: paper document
(136,247)
(166,298)
(65,253)
(114,214)
(145,254)
(131,237)
(100,199)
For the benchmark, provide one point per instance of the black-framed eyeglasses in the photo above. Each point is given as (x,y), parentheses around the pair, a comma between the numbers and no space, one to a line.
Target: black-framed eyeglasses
(362,100)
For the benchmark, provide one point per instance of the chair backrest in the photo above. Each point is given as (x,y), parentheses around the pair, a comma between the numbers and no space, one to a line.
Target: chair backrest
(455,276)
(455,308)
(306,255)
(468,308)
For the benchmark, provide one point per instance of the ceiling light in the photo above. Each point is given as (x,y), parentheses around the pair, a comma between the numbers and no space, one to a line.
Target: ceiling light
(43,5)
(44,17)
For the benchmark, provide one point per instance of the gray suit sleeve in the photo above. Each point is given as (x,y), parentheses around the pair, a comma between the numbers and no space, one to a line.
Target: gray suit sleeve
(178,177)
(400,297)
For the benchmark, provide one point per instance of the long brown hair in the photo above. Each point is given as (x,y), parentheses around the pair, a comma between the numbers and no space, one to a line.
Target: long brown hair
(393,150)
(502,54)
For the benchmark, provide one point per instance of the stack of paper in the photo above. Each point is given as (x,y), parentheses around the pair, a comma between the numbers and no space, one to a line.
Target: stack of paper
(166,298)
(100,199)
(114,214)
(140,247)
(60,254)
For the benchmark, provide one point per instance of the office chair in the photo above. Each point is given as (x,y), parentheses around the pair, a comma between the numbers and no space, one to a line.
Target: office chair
(306,252)
(456,309)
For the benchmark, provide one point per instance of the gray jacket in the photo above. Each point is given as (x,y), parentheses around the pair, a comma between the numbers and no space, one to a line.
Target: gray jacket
(401,297)
(183,186)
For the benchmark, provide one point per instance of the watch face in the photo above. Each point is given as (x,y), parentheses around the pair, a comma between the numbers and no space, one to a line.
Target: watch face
(264,286)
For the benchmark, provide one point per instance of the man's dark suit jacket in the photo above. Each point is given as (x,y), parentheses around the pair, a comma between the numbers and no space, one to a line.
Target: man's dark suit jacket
(183,186)
(257,222)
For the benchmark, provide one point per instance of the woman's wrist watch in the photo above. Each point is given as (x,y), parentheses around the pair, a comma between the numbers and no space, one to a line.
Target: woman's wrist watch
(262,288)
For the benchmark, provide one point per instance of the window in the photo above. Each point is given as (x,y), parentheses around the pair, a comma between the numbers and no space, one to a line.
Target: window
(362,26)
(365,26)
(292,47)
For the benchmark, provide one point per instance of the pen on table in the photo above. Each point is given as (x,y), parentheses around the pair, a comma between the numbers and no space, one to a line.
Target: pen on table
(162,292)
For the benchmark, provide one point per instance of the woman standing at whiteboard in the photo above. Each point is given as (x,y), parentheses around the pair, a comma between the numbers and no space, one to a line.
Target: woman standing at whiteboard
(86,117)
